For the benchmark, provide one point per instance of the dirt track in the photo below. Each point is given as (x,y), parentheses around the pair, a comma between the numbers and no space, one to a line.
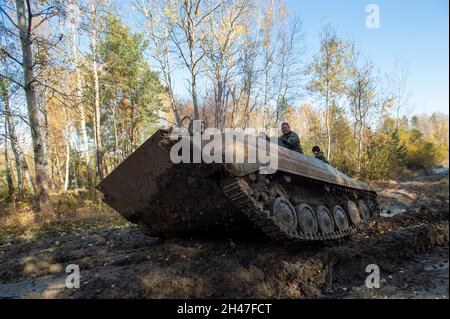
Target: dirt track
(409,244)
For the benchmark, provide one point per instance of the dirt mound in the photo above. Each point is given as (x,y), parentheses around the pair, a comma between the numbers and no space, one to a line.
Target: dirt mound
(417,194)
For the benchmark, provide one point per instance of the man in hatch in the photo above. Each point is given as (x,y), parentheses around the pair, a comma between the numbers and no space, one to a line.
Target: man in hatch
(319,155)
(290,139)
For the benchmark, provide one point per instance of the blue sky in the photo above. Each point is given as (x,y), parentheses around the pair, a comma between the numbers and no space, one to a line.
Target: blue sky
(414,32)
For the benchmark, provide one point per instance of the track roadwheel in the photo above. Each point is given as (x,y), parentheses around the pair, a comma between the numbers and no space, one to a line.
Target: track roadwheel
(325,220)
(353,212)
(307,219)
(364,210)
(340,218)
(283,214)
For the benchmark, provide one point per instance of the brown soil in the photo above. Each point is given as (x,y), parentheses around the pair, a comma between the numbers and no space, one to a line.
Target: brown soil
(409,244)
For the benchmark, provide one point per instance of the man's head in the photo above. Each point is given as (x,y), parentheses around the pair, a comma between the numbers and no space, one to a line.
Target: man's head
(316,149)
(285,128)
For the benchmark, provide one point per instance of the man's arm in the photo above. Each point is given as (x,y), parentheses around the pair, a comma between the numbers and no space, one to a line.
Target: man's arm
(294,142)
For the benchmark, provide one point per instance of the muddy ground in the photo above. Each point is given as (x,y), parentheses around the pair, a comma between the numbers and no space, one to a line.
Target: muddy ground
(409,244)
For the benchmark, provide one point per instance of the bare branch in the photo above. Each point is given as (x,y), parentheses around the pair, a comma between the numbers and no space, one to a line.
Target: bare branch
(2,50)
(9,18)
(208,13)
(12,80)
(30,19)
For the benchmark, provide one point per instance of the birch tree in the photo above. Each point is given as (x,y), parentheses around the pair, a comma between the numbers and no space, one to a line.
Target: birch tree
(399,93)
(361,95)
(328,75)
(221,47)
(19,157)
(96,26)
(79,101)
(28,21)
(160,20)
(7,168)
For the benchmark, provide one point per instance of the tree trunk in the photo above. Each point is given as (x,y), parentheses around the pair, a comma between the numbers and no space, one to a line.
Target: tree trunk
(44,120)
(77,178)
(9,180)
(266,92)
(19,157)
(10,133)
(173,103)
(132,129)
(36,136)
(327,119)
(397,119)
(327,124)
(97,120)
(67,168)
(360,135)
(190,33)
(194,96)
(80,103)
(52,174)
(58,166)
(116,135)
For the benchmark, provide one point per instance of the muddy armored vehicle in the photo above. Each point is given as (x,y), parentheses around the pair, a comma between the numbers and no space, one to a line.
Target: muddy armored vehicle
(305,199)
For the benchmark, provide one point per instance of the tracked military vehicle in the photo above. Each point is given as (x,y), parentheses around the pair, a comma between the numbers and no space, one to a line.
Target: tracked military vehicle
(304,200)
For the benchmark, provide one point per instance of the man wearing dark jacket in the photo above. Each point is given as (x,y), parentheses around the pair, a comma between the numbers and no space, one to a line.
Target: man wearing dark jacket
(319,155)
(290,139)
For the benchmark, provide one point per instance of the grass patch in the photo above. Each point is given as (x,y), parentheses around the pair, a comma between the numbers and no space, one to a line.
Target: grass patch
(75,211)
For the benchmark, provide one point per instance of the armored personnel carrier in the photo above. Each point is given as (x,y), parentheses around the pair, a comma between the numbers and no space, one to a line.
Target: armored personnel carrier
(305,199)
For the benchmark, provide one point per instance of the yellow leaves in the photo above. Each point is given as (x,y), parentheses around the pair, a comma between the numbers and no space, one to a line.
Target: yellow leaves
(241,30)
(290,114)
(171,15)
(283,12)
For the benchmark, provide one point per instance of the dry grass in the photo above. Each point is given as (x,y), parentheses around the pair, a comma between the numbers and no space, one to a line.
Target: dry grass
(74,210)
